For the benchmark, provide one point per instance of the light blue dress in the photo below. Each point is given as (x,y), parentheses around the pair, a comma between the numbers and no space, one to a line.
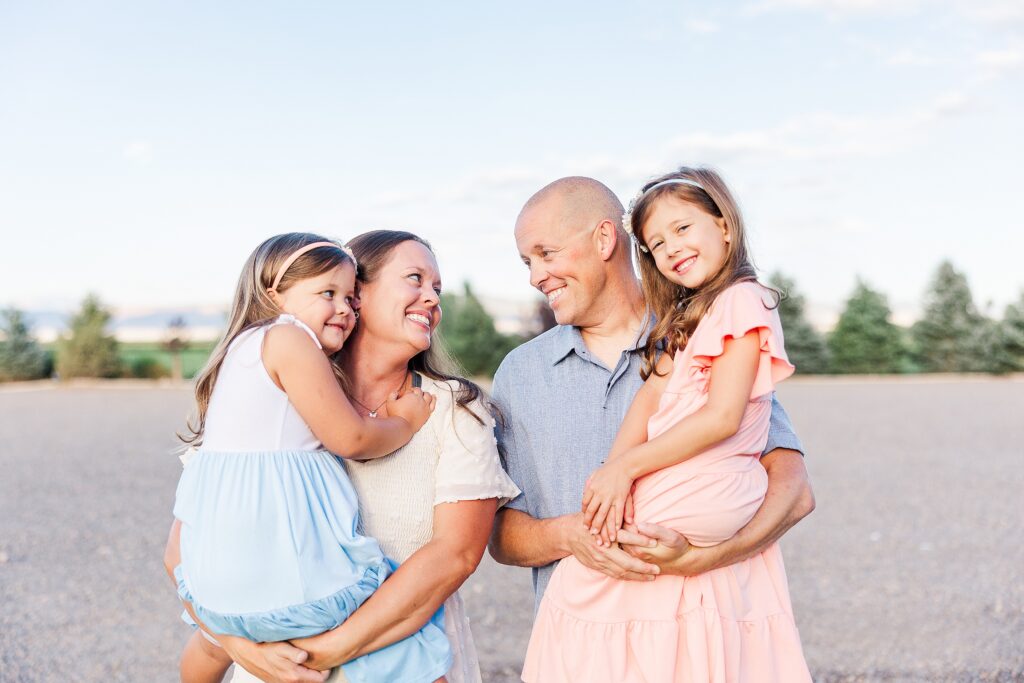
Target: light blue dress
(269,543)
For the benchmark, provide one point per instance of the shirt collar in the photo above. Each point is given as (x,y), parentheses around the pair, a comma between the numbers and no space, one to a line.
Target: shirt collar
(568,338)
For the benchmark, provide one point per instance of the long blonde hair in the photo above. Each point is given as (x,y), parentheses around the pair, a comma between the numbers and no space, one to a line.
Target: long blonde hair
(677,309)
(252,306)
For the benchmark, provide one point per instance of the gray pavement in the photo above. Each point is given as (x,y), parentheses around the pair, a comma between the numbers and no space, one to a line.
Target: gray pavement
(911,569)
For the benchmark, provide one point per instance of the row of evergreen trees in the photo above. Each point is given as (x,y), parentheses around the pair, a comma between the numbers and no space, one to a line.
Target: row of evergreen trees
(86,351)
(952,335)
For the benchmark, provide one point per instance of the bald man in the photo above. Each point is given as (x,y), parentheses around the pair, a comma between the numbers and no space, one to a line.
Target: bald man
(564,394)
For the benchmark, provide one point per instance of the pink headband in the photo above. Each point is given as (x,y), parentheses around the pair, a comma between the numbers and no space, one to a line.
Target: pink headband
(302,250)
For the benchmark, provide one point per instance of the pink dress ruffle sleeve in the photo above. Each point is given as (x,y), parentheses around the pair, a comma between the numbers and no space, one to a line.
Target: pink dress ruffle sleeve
(729,625)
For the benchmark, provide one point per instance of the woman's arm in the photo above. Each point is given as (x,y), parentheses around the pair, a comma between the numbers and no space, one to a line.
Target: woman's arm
(731,381)
(410,596)
(304,373)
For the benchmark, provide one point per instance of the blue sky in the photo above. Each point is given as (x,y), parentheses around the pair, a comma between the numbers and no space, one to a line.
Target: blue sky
(146,148)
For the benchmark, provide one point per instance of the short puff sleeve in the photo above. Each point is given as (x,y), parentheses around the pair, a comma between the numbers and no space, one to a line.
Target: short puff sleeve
(738,310)
(468,467)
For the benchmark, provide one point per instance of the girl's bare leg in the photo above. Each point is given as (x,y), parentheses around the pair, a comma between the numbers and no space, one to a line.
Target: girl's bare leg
(202,661)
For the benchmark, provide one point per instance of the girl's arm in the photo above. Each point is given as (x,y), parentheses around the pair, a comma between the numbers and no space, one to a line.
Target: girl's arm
(633,431)
(304,373)
(410,597)
(731,381)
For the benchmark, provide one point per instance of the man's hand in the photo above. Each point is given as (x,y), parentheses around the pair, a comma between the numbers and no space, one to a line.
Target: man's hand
(271,662)
(665,548)
(612,561)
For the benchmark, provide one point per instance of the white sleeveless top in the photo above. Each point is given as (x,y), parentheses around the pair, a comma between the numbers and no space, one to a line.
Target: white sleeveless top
(247,411)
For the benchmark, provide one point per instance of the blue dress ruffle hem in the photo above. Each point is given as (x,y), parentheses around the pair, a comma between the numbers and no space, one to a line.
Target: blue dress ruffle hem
(270,551)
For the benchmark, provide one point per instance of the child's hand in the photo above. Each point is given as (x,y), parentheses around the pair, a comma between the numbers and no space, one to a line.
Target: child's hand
(604,500)
(414,406)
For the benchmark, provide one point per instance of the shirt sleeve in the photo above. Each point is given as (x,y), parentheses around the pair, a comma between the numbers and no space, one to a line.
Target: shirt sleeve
(505,437)
(468,467)
(780,430)
(737,311)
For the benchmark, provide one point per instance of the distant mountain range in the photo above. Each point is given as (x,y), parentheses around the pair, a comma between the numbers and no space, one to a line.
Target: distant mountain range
(207,323)
(201,323)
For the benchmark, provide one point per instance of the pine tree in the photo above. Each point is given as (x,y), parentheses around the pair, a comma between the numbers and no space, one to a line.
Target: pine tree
(469,333)
(21,356)
(89,351)
(994,342)
(865,340)
(804,345)
(1013,331)
(946,338)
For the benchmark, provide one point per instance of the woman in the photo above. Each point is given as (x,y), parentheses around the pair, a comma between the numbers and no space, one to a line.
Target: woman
(430,504)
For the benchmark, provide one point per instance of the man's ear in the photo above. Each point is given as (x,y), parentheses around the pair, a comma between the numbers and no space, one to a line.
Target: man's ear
(607,237)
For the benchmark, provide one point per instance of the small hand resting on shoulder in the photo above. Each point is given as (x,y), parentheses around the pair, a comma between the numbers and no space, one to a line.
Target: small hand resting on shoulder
(304,372)
(607,501)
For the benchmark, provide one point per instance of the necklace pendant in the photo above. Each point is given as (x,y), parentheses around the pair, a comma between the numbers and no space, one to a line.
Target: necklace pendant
(373,413)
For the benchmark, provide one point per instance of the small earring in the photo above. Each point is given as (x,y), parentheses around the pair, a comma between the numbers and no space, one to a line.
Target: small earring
(355,314)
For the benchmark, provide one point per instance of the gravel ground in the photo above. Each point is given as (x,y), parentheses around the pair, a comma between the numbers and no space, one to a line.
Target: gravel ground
(909,570)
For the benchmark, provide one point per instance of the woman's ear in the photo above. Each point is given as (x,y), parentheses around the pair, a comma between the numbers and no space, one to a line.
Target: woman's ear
(274,296)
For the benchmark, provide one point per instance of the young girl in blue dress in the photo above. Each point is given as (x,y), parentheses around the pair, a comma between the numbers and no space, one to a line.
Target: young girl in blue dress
(270,547)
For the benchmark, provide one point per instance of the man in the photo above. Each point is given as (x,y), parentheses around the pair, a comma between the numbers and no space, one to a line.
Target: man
(564,394)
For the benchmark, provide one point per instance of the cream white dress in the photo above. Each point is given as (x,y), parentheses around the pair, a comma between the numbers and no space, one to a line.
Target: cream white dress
(452,458)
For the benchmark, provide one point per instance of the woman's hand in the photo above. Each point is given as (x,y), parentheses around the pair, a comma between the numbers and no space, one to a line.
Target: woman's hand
(605,500)
(271,662)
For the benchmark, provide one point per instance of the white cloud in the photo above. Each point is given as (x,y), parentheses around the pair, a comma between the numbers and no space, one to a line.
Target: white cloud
(702,26)
(139,151)
(909,57)
(822,136)
(1001,60)
(837,7)
(999,12)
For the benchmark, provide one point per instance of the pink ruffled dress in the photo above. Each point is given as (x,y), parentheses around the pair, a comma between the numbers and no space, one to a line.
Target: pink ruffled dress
(729,625)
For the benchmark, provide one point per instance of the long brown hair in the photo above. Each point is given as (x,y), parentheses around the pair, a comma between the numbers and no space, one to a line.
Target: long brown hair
(373,250)
(252,306)
(677,309)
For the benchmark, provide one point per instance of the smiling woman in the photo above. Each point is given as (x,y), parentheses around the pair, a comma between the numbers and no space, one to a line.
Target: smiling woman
(431,503)
(266,547)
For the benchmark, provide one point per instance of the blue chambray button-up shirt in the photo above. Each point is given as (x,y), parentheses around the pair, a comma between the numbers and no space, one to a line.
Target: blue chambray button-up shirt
(562,408)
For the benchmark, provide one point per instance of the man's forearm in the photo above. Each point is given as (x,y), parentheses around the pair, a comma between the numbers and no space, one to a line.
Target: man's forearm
(524,541)
(788,500)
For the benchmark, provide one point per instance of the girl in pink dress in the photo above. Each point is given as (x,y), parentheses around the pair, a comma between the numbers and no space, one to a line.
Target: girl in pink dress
(687,458)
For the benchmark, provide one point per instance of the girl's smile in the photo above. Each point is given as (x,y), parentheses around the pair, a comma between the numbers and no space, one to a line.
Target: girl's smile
(325,303)
(689,246)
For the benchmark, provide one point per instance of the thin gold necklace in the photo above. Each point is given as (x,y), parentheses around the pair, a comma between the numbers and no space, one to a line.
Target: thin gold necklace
(373,413)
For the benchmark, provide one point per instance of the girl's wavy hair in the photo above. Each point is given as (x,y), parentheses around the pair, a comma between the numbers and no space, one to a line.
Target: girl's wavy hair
(373,250)
(676,309)
(252,306)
